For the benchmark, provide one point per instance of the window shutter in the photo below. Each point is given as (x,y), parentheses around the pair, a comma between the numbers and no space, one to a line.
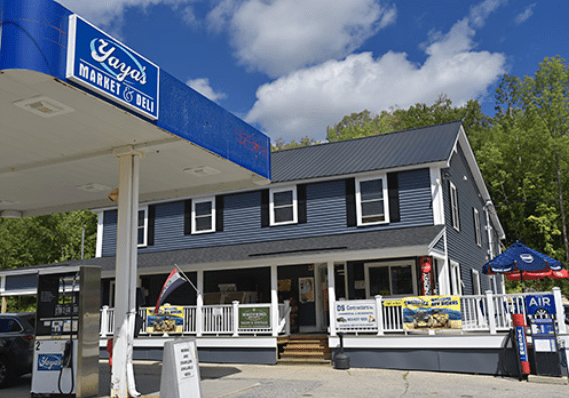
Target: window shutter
(301,200)
(151,218)
(351,202)
(393,194)
(265,220)
(188,217)
(219,213)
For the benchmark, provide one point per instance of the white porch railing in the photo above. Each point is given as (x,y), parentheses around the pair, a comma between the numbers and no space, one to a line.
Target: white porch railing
(487,313)
(217,320)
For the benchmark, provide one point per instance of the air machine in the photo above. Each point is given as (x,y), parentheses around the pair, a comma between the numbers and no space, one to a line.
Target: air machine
(66,346)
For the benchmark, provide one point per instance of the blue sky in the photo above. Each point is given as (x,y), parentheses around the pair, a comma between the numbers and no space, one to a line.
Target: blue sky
(293,67)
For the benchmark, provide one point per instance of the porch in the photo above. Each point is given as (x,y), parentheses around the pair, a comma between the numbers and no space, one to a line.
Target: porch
(480,345)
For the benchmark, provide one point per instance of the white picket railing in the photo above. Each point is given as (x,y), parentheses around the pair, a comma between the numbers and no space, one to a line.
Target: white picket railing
(217,320)
(489,312)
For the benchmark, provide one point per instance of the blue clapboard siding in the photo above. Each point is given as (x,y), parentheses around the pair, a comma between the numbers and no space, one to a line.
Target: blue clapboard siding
(462,246)
(325,208)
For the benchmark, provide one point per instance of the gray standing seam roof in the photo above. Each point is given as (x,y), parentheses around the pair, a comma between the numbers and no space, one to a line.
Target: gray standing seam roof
(386,151)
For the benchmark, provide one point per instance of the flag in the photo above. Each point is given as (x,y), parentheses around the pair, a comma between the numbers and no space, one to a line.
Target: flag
(174,280)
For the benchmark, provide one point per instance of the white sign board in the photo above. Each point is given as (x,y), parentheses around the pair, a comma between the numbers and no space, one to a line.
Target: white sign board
(180,370)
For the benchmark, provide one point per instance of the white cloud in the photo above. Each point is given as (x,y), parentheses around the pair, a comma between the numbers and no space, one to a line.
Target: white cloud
(305,102)
(106,12)
(524,16)
(279,36)
(203,87)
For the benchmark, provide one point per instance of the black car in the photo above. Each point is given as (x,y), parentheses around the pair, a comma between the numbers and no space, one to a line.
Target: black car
(16,346)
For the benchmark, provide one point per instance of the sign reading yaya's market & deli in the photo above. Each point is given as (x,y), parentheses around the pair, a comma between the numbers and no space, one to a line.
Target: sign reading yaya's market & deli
(99,62)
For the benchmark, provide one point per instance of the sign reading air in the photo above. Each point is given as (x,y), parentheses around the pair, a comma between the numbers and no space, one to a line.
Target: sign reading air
(99,62)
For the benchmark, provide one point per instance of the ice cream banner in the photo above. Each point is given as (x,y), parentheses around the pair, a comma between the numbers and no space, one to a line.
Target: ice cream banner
(169,319)
(431,312)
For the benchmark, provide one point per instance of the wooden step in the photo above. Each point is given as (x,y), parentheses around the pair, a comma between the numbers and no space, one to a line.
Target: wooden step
(304,361)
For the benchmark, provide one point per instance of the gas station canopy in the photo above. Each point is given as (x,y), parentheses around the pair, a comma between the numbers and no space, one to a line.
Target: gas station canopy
(71,101)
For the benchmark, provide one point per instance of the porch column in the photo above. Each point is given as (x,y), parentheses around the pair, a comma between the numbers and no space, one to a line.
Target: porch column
(274,301)
(332,298)
(199,304)
(122,378)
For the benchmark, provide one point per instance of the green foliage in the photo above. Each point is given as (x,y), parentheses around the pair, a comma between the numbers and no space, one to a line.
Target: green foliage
(279,144)
(46,239)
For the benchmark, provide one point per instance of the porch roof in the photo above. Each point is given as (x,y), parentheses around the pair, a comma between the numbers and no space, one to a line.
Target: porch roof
(390,243)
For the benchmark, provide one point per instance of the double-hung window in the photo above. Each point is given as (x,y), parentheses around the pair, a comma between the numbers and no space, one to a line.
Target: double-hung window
(372,201)
(142,231)
(391,279)
(454,206)
(283,206)
(203,215)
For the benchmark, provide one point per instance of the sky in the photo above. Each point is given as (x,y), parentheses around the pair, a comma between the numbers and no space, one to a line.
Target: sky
(293,67)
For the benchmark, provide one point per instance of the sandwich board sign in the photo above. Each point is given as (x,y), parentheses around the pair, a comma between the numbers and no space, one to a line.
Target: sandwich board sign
(180,370)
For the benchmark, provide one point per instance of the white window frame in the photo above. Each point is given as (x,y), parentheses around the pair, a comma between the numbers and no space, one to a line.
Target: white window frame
(390,264)
(385,192)
(456,279)
(195,217)
(144,227)
(477,227)
(454,208)
(294,205)
(476,283)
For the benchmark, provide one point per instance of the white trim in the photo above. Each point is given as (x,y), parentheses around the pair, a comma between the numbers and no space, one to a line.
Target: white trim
(385,199)
(100,225)
(217,342)
(144,227)
(477,227)
(442,340)
(389,264)
(294,205)
(211,200)
(456,278)
(437,196)
(454,206)
(476,283)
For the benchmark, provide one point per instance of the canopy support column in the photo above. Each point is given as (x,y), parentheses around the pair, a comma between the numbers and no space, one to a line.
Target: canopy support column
(122,377)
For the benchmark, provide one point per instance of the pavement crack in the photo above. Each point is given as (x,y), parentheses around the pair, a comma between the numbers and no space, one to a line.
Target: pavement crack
(406,383)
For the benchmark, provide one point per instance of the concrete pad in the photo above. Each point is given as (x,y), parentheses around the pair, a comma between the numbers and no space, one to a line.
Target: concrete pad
(547,380)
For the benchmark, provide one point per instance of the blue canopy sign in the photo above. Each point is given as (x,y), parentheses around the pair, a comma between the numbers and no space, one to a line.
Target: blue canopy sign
(99,62)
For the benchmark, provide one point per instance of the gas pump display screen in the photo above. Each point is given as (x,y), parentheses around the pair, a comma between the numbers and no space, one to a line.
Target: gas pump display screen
(58,307)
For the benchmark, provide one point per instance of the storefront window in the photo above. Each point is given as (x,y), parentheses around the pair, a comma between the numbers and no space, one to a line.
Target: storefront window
(390,280)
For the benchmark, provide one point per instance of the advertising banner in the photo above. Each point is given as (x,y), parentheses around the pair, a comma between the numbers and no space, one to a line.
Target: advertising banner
(540,305)
(169,319)
(356,315)
(97,61)
(431,312)
(254,317)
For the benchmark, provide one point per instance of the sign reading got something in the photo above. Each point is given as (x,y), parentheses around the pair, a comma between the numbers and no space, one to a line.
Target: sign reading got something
(99,62)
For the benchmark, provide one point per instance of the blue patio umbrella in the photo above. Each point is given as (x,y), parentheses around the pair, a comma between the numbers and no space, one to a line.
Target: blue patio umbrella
(521,259)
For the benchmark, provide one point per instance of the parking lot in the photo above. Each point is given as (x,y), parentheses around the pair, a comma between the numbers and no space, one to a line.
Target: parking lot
(257,381)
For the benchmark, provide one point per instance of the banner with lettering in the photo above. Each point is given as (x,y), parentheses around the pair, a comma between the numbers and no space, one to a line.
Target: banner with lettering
(356,314)
(170,319)
(431,312)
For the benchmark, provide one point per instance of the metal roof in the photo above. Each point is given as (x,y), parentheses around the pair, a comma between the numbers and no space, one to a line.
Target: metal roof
(386,151)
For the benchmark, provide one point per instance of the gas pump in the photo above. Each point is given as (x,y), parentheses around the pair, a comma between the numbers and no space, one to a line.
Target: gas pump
(66,346)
